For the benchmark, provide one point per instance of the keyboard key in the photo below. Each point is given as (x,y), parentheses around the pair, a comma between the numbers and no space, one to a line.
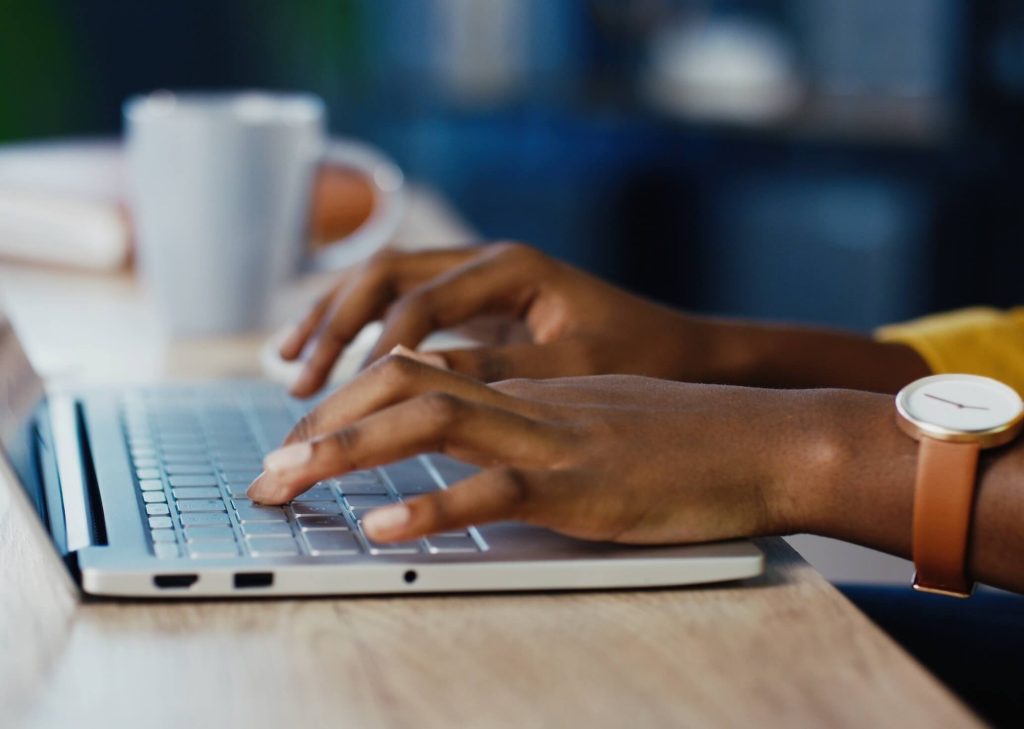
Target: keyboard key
(163,535)
(395,548)
(182,440)
(189,469)
(246,476)
(170,452)
(186,459)
(204,517)
(212,550)
(260,513)
(332,541)
(153,497)
(272,546)
(146,463)
(143,453)
(440,544)
(151,484)
(317,493)
(410,477)
(356,501)
(232,462)
(322,521)
(230,444)
(198,492)
(157,509)
(147,473)
(238,461)
(193,480)
(359,477)
(360,511)
(211,533)
(266,528)
(227,428)
(367,488)
(180,433)
(189,505)
(160,522)
(238,491)
(317,507)
(165,550)
(417,487)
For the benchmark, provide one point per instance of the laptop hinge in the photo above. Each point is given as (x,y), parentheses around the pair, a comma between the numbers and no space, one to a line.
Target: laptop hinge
(83,518)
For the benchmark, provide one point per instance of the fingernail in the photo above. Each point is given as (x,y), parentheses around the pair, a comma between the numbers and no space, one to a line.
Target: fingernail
(428,358)
(383,522)
(301,383)
(289,457)
(259,490)
(291,340)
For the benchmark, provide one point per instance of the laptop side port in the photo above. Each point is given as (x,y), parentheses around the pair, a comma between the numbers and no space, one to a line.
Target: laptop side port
(245,580)
(170,582)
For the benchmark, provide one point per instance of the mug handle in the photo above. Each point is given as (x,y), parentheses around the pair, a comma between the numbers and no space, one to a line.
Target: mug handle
(387,182)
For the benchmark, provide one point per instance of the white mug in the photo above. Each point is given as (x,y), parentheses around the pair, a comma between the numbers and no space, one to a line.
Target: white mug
(221,188)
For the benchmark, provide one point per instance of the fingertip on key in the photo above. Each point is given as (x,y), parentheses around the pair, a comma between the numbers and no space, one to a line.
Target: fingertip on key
(258,490)
(386,522)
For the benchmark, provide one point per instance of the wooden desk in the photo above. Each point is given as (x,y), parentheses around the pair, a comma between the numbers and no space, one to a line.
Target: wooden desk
(782,650)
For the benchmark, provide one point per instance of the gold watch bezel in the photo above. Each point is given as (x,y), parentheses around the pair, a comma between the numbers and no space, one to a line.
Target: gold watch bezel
(990,438)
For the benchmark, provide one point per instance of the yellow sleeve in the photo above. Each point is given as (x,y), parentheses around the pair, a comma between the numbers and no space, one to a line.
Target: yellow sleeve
(979,341)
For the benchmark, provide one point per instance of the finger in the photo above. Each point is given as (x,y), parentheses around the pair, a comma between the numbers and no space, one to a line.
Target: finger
(429,358)
(364,299)
(390,381)
(493,495)
(293,344)
(536,361)
(503,281)
(435,422)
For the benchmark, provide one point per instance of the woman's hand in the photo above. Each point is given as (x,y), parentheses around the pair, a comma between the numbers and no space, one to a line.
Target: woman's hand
(575,324)
(562,322)
(622,458)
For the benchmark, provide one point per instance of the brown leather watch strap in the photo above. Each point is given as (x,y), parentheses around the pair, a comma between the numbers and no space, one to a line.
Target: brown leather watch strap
(943,505)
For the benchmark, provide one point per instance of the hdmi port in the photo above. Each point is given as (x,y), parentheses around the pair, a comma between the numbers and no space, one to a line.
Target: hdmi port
(165,582)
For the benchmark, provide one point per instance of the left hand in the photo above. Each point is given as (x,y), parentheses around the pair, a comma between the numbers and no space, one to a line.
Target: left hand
(622,458)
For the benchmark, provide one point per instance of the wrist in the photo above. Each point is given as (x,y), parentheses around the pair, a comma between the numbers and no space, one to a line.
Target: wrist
(776,355)
(850,471)
(732,351)
(713,350)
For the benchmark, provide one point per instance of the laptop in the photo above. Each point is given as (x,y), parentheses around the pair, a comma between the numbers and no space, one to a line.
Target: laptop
(141,490)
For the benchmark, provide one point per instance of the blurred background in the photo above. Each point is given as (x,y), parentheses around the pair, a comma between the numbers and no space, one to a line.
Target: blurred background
(848,162)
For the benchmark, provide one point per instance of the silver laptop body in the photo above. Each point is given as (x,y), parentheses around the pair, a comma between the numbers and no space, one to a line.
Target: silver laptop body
(142,492)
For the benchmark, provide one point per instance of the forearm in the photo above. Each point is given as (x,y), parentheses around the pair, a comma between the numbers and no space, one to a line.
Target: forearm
(773,355)
(860,488)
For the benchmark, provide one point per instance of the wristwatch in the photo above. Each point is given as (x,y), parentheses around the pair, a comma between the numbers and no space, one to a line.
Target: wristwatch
(953,417)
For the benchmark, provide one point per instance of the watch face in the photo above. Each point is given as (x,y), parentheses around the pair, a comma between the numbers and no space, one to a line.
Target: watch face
(960,403)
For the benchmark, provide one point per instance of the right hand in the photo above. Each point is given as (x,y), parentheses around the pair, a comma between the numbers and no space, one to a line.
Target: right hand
(618,458)
(576,324)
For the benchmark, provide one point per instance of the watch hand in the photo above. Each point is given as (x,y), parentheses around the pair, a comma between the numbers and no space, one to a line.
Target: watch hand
(961,406)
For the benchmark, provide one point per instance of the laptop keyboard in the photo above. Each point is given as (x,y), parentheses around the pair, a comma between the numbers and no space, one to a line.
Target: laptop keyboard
(194,455)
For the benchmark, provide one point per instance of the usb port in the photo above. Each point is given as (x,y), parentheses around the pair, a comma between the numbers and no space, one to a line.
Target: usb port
(253,579)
